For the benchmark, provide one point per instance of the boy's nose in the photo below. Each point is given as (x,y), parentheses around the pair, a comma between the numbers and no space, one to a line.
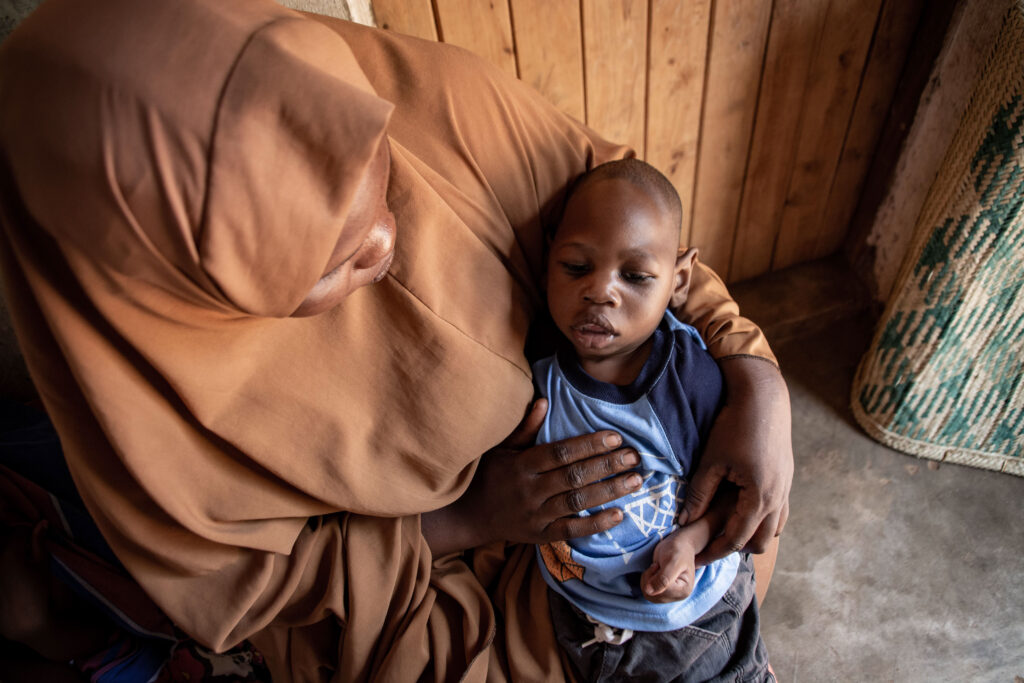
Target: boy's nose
(600,290)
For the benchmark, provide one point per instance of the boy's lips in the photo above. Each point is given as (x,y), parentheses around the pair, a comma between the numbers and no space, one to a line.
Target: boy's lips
(592,331)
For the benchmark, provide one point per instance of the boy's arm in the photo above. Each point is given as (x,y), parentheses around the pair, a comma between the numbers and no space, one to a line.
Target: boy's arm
(671,574)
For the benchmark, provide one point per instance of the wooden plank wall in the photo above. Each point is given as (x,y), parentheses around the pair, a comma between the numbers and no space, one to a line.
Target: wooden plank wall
(765,114)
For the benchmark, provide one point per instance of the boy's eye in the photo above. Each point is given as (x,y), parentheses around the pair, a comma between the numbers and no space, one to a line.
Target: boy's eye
(573,268)
(636,278)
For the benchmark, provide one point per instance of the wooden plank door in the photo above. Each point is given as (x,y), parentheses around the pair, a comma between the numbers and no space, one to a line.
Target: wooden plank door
(482,27)
(615,68)
(738,36)
(675,91)
(549,51)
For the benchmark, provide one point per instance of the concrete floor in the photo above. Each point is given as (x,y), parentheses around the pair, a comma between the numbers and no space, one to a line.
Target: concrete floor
(891,568)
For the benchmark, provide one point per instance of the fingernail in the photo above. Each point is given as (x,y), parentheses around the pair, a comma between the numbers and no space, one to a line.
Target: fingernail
(631,458)
(612,441)
(633,481)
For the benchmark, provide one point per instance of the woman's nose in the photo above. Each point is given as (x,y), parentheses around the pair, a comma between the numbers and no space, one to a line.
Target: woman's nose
(377,245)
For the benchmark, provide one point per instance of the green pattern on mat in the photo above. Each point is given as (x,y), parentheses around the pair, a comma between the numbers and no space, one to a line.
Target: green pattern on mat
(944,377)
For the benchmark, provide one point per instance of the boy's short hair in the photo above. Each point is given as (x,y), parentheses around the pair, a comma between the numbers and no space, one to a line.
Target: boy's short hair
(641,174)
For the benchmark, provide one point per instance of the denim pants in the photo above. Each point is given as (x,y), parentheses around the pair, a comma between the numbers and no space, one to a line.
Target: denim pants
(723,645)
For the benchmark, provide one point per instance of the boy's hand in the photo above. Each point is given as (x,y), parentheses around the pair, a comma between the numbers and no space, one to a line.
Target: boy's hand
(530,494)
(670,576)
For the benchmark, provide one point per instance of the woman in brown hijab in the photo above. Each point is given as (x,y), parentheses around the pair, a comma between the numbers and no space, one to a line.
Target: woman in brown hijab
(264,381)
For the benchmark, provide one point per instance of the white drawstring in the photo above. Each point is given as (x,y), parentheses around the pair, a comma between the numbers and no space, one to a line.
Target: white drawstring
(603,633)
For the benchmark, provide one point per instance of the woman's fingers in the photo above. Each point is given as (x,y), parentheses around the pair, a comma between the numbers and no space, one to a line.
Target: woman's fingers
(532,494)
(574,527)
(558,454)
(526,432)
(783,517)
(700,491)
(577,475)
(764,535)
(576,500)
(739,528)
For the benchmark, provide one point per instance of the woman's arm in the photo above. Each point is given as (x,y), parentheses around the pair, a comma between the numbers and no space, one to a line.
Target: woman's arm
(750,445)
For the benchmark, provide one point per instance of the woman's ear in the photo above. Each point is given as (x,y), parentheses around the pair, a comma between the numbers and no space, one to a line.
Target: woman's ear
(683,269)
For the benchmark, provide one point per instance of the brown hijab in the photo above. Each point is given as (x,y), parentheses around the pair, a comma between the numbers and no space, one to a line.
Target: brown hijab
(173,180)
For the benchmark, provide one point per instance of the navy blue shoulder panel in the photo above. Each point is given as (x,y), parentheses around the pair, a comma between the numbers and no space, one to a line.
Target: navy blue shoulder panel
(687,397)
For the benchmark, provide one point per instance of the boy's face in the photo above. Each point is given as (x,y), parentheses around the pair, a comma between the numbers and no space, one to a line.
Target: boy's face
(612,269)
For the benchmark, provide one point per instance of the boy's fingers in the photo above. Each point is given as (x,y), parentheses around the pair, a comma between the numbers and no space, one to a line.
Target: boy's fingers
(663,584)
(673,565)
(653,581)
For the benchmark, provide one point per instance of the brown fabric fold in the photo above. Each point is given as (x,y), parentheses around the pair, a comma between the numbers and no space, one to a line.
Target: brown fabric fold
(174,177)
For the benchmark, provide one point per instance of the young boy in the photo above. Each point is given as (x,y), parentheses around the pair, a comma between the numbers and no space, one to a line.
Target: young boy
(630,602)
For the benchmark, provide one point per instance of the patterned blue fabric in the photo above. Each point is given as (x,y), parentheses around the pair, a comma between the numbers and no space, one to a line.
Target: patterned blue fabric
(665,414)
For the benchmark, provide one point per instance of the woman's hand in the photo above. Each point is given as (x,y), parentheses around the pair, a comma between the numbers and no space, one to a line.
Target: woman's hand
(531,494)
(751,446)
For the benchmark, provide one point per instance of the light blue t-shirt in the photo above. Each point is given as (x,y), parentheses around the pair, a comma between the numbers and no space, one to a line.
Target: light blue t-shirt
(665,414)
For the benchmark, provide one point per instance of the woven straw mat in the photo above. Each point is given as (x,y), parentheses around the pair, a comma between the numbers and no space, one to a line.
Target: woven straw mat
(942,379)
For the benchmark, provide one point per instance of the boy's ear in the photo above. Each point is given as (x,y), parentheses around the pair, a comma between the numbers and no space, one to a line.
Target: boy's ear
(683,269)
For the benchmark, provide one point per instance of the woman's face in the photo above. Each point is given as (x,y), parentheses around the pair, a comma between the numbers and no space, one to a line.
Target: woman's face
(366,246)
